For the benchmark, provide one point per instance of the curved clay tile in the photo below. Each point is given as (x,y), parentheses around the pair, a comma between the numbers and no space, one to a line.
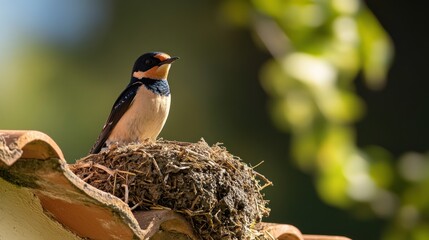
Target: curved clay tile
(32,160)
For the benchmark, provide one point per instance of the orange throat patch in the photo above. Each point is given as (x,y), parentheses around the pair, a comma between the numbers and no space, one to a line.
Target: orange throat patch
(157,73)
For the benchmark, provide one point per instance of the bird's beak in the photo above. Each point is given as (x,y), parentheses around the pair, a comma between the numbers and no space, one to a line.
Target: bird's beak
(168,61)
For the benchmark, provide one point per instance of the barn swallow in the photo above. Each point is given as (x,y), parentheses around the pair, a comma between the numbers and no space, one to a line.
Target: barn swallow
(141,110)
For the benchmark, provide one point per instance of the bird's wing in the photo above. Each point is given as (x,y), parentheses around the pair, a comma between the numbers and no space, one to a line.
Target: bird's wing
(121,105)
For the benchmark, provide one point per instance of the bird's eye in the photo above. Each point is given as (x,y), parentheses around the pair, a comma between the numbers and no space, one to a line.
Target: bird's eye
(148,62)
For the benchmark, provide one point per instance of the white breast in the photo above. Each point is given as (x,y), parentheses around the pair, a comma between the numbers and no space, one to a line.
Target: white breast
(144,119)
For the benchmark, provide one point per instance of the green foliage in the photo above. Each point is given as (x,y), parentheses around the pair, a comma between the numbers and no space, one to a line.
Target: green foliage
(318,48)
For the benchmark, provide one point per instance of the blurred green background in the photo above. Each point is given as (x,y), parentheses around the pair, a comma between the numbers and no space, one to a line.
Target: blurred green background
(331,94)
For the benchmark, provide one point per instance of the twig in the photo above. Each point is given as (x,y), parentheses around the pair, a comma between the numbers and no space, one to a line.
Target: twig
(157,167)
(137,205)
(126,193)
(257,165)
(268,182)
(104,168)
(114,184)
(88,177)
(128,173)
(195,201)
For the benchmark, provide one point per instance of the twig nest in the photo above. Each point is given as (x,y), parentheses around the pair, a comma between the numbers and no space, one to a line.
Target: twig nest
(214,190)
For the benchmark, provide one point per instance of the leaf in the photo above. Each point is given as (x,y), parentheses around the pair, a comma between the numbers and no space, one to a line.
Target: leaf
(376,49)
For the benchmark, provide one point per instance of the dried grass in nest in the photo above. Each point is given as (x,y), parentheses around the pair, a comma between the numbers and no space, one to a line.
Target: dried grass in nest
(214,190)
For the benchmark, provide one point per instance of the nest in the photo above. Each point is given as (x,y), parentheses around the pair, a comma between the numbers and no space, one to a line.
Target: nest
(218,194)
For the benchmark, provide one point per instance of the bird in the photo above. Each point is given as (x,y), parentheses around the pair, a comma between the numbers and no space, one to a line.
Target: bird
(141,110)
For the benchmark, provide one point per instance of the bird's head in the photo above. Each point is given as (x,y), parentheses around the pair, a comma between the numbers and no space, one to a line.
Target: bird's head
(154,65)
